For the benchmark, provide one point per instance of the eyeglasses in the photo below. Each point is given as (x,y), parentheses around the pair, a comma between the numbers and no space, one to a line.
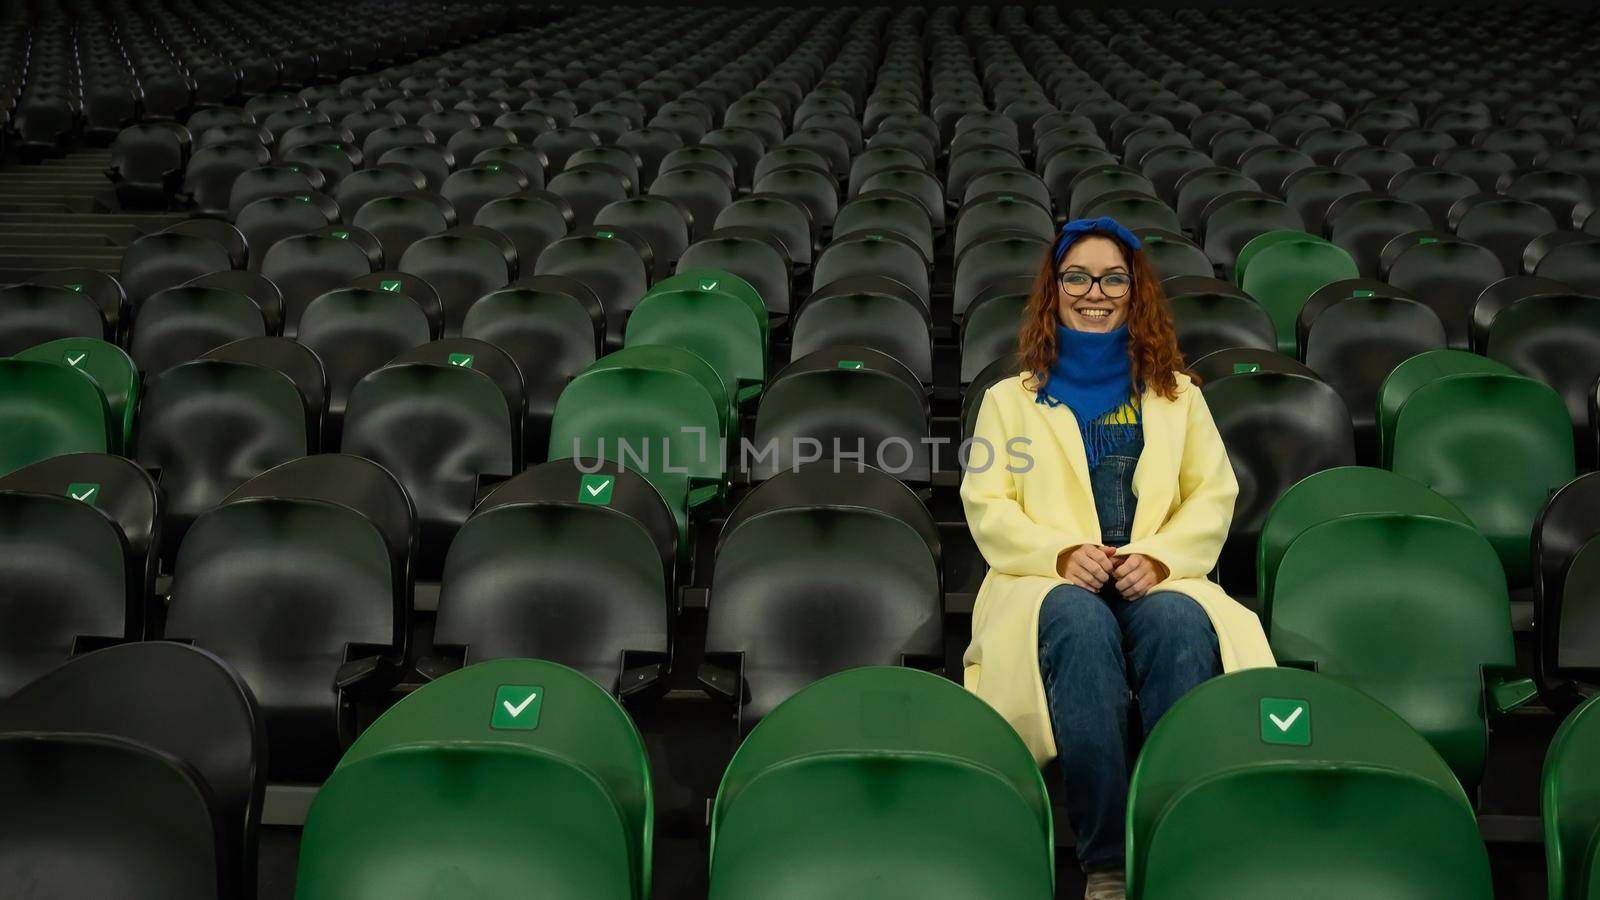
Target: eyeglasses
(1112,284)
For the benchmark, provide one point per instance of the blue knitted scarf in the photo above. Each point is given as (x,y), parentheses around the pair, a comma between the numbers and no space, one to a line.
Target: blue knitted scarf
(1093,377)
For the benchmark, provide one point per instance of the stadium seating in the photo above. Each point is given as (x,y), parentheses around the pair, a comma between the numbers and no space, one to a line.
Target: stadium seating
(1315,743)
(693,259)
(181,701)
(888,756)
(475,778)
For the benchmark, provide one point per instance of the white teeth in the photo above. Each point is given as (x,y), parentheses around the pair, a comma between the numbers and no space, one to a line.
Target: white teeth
(1094,313)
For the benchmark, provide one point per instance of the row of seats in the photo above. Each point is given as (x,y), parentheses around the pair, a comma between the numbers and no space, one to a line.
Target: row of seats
(816,570)
(525,772)
(91,70)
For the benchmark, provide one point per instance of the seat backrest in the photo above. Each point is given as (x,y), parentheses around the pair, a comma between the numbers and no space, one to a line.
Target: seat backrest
(1439,593)
(1448,277)
(598,482)
(573,583)
(884,710)
(289,636)
(863,404)
(1411,375)
(439,430)
(307,266)
(1457,433)
(1249,720)
(355,331)
(583,726)
(1355,343)
(720,327)
(351,481)
(183,323)
(62,836)
(890,597)
(988,261)
(514,816)
(898,805)
(210,425)
(66,580)
(1283,275)
(181,700)
(1243,835)
(32,314)
(1568,523)
(1554,338)
(635,414)
(48,410)
(1571,819)
(1332,493)
(108,366)
(754,261)
(1278,428)
(159,261)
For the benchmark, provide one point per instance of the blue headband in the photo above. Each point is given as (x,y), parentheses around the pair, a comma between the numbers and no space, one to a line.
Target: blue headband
(1104,225)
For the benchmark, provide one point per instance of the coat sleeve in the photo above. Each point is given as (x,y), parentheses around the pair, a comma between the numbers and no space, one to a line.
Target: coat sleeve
(1191,539)
(1009,539)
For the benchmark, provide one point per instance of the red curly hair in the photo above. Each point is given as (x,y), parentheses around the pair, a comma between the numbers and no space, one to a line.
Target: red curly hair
(1152,337)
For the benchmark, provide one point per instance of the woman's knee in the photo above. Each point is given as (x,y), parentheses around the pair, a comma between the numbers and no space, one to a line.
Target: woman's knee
(1078,617)
(1172,618)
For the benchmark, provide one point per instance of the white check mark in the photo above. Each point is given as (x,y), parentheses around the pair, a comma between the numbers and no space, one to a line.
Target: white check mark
(517,710)
(595,489)
(74,360)
(85,495)
(1283,724)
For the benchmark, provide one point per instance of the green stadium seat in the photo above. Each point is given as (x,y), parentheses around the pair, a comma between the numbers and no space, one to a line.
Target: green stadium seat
(1224,726)
(109,367)
(1332,494)
(1413,374)
(1262,241)
(1353,831)
(364,840)
(642,399)
(1457,435)
(1283,275)
(717,326)
(574,775)
(1411,609)
(846,789)
(47,410)
(1571,816)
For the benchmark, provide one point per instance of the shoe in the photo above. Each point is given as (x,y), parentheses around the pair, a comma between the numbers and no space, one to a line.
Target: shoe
(1106,886)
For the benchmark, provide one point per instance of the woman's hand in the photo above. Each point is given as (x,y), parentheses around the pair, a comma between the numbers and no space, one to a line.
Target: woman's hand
(1087,565)
(1136,574)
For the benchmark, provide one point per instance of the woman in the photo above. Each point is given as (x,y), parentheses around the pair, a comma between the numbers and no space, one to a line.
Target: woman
(1099,550)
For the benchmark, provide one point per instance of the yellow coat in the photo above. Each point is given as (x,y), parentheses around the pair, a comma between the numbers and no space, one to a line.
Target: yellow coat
(1022,521)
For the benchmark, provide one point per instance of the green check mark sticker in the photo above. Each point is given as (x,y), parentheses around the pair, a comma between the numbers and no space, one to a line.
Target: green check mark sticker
(1285,722)
(464,360)
(84,491)
(516,707)
(596,489)
(75,358)
(1245,368)
(392,287)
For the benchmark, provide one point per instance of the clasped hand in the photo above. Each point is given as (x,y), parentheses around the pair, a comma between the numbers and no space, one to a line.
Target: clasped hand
(1091,566)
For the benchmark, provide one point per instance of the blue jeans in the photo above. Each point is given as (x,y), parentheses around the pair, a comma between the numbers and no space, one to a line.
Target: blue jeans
(1095,654)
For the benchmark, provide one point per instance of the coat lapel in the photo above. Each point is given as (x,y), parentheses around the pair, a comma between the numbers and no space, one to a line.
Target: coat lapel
(1156,474)
(1063,426)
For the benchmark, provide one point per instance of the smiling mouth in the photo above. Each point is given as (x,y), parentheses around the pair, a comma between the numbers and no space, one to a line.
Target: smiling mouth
(1092,312)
